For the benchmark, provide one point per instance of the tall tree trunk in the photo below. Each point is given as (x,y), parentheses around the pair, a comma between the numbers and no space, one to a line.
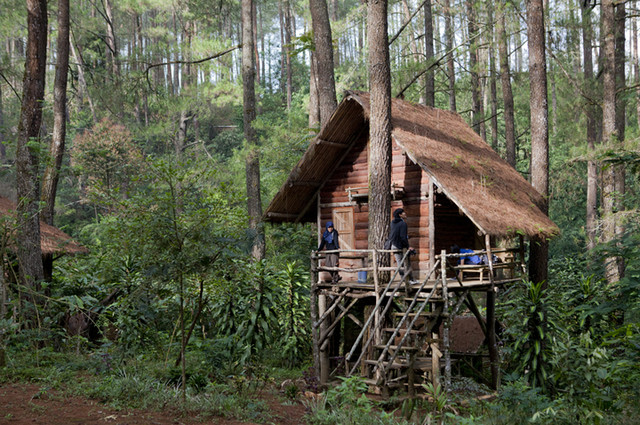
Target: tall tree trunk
(252,164)
(28,190)
(621,106)
(334,18)
(324,59)
(112,47)
(3,148)
(82,80)
(636,62)
(590,112)
(493,89)
(610,135)
(448,34)
(538,254)
(507,94)
(314,107)
(415,52)
(56,148)
(429,88)
(287,53)
(473,66)
(379,126)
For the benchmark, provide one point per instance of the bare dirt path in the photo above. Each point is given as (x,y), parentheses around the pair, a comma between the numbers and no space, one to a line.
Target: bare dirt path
(22,404)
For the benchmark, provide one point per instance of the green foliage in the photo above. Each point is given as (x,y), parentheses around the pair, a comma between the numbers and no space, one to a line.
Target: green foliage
(533,338)
(348,404)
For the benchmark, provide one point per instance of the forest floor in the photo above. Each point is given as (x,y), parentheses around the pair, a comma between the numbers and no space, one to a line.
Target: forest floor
(22,404)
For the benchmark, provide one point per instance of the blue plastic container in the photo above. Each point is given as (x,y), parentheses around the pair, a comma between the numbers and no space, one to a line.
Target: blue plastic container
(362,277)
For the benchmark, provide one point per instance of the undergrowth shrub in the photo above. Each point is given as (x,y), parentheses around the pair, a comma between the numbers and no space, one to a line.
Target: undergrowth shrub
(347,403)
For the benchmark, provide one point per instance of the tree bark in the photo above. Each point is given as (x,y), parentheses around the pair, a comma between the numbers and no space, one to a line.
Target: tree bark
(538,255)
(252,162)
(112,47)
(379,127)
(29,248)
(507,94)
(83,82)
(56,148)
(493,90)
(324,59)
(610,135)
(590,113)
(636,63)
(448,30)
(287,53)
(429,89)
(621,106)
(314,107)
(3,148)
(473,66)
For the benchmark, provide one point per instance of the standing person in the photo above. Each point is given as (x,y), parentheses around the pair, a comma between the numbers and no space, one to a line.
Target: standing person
(399,240)
(331,243)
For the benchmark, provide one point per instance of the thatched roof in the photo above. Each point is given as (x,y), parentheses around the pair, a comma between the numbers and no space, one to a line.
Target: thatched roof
(495,197)
(53,240)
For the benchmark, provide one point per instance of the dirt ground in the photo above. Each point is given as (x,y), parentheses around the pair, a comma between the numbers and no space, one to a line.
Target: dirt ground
(26,404)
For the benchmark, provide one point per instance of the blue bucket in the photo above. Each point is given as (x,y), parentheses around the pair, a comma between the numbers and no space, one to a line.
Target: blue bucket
(362,277)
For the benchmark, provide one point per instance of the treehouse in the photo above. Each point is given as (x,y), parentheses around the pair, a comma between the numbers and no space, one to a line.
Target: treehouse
(456,191)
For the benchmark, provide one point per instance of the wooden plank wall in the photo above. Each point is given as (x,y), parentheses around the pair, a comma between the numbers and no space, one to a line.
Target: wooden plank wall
(353,172)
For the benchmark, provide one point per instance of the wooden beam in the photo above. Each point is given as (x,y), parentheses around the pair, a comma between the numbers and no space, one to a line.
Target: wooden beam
(281,215)
(333,144)
(304,183)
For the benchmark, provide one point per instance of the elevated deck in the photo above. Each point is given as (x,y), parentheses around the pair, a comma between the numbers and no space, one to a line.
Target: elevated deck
(403,325)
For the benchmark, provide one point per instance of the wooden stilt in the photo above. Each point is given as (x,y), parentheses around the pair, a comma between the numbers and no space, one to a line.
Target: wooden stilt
(445,328)
(324,353)
(494,356)
(314,314)
(491,340)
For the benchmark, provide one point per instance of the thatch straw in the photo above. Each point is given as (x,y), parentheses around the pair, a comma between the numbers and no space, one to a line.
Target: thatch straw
(52,239)
(491,193)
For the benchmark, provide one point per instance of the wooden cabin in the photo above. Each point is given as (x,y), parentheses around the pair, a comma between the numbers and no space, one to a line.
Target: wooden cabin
(456,191)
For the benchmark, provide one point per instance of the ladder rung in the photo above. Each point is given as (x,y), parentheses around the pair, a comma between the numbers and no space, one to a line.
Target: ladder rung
(398,347)
(423,314)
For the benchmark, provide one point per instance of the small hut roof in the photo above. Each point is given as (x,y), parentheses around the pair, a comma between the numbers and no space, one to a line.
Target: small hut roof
(498,200)
(53,240)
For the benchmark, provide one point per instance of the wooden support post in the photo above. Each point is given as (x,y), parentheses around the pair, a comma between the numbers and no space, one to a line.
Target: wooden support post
(494,355)
(435,360)
(324,353)
(376,282)
(432,227)
(445,328)
(491,339)
(411,375)
(314,314)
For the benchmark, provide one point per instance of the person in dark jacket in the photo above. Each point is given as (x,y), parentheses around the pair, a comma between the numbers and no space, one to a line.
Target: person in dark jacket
(399,239)
(331,243)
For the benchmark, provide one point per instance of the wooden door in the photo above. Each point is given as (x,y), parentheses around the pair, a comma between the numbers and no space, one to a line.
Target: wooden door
(343,223)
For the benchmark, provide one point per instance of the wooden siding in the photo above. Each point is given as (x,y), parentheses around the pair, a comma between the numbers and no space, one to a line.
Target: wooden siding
(407,176)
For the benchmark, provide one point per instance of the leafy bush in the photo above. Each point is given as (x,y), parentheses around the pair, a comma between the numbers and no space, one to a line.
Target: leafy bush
(347,403)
